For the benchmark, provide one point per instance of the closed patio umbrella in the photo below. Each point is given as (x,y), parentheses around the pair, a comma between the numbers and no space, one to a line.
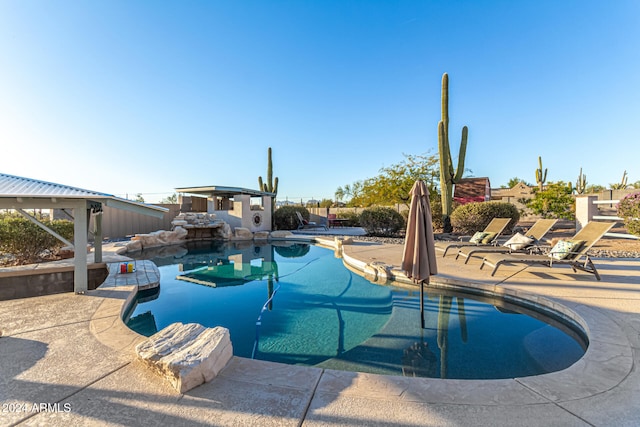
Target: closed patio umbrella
(418,257)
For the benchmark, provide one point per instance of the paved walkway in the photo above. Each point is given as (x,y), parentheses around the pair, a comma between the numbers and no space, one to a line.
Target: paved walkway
(68,359)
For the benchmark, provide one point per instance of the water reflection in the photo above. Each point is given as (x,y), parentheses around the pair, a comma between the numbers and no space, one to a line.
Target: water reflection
(296,303)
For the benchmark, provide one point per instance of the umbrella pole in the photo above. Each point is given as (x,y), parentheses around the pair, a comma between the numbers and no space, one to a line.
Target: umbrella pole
(422,304)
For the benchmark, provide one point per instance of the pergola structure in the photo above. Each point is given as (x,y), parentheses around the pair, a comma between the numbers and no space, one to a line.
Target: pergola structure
(233,205)
(20,193)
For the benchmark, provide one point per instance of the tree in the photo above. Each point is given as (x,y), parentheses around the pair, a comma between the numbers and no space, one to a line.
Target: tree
(139,198)
(555,201)
(595,188)
(169,200)
(393,184)
(326,203)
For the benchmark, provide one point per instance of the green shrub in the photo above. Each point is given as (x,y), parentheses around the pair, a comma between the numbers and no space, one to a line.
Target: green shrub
(381,221)
(25,240)
(284,218)
(629,209)
(475,216)
(555,201)
(352,218)
(436,213)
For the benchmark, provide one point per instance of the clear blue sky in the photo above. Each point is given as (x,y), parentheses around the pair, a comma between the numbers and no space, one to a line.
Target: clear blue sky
(129,97)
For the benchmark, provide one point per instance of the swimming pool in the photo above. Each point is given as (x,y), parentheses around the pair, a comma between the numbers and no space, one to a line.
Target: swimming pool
(296,303)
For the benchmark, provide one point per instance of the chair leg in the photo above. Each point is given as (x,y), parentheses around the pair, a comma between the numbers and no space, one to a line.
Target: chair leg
(495,267)
(588,267)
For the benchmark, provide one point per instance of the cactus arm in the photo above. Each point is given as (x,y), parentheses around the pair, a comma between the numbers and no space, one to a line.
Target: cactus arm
(461,156)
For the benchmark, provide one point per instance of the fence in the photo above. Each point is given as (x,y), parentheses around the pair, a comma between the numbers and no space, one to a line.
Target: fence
(118,223)
(321,214)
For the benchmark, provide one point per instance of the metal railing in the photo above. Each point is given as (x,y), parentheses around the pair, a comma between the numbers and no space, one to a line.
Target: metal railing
(611,203)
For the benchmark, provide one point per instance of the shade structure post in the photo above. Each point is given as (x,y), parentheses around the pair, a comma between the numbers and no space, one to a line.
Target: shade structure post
(80,273)
(97,239)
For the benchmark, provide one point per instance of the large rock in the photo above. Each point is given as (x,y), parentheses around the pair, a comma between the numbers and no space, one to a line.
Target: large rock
(187,355)
(242,233)
(280,234)
(161,238)
(261,235)
(134,245)
(377,272)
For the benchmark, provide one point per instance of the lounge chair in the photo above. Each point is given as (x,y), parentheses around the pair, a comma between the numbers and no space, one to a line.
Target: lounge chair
(303,224)
(517,243)
(487,237)
(571,252)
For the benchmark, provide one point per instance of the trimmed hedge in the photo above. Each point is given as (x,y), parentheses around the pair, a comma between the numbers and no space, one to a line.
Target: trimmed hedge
(26,241)
(475,216)
(381,221)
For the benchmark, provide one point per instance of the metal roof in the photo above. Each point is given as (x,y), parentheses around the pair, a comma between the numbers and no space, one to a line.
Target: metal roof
(16,192)
(17,186)
(223,191)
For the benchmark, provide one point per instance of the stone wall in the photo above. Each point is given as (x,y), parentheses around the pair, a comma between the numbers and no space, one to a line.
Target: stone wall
(47,281)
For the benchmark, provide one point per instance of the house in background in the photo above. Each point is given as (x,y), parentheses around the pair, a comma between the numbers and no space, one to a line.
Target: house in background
(513,195)
(469,190)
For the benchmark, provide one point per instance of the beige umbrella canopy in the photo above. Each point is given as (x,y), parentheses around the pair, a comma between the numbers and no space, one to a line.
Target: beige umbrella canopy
(418,257)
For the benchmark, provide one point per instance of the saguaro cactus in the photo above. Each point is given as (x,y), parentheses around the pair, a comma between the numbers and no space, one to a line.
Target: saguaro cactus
(622,184)
(271,186)
(581,183)
(623,181)
(448,176)
(540,176)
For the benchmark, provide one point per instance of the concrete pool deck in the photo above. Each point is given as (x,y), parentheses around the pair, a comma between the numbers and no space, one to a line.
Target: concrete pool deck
(68,359)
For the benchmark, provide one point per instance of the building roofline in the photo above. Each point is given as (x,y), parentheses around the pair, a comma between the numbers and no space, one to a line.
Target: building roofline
(222,190)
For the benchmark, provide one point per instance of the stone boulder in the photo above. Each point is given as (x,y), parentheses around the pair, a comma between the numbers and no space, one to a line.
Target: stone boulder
(280,234)
(261,235)
(241,233)
(377,272)
(187,355)
(133,246)
(158,238)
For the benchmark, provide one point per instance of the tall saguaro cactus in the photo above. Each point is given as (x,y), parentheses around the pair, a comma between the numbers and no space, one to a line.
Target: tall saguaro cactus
(540,176)
(448,176)
(581,183)
(271,186)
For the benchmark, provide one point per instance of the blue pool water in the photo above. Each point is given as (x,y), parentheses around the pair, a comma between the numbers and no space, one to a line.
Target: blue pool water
(298,304)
